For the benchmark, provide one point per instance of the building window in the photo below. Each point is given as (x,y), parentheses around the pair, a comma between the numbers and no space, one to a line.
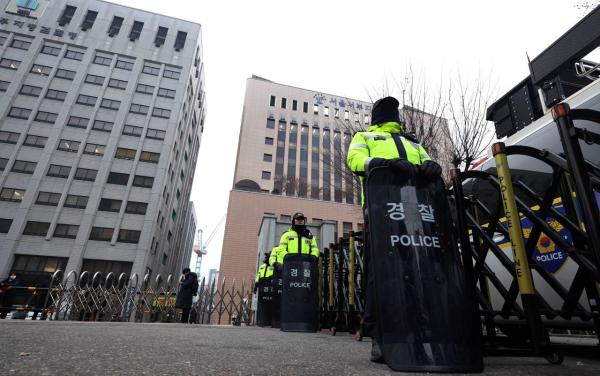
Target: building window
(65,74)
(144,89)
(283,102)
(171,74)
(24,167)
(5,225)
(48,198)
(42,70)
(89,19)
(167,93)
(147,156)
(101,233)
(102,60)
(136,30)
(267,157)
(336,113)
(132,130)
(326,111)
(139,109)
(56,95)
(109,205)
(75,201)
(117,178)
(67,15)
(78,122)
(346,115)
(2,39)
(346,228)
(161,113)
(315,109)
(66,231)
(156,134)
(356,117)
(148,69)
(123,153)
(268,140)
(94,80)
(9,64)
(9,137)
(115,26)
(35,141)
(46,117)
(270,123)
(94,149)
(19,113)
(20,44)
(367,119)
(169,236)
(272,102)
(266,175)
(326,165)
(161,36)
(117,84)
(294,105)
(12,194)
(129,236)
(180,40)
(86,174)
(134,207)
(102,126)
(33,91)
(75,55)
(110,104)
(3,163)
(59,171)
(4,86)
(36,228)
(68,145)
(87,100)
(314,168)
(125,65)
(173,215)
(143,181)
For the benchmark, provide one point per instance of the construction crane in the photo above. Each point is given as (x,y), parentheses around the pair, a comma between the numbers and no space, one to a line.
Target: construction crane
(200,247)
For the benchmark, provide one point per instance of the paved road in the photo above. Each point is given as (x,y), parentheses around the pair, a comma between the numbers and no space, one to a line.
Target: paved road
(76,348)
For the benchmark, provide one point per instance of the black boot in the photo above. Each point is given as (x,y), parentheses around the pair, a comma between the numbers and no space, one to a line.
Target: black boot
(376,354)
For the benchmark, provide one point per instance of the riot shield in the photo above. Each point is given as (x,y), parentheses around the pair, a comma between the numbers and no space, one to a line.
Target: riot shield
(424,313)
(300,298)
(276,289)
(263,309)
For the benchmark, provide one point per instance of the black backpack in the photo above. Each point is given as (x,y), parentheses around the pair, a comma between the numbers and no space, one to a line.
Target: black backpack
(195,286)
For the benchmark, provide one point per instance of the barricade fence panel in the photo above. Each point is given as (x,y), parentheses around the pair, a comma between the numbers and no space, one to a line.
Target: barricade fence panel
(95,297)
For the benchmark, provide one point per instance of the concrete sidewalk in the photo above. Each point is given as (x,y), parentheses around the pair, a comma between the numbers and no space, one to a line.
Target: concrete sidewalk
(84,348)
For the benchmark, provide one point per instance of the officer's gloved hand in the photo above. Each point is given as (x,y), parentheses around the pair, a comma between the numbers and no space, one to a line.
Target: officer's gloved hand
(403,166)
(430,169)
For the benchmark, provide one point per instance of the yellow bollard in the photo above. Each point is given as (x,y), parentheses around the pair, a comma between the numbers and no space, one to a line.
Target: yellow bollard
(351,269)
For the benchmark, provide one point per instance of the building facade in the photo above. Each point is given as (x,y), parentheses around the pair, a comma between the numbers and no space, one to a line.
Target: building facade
(184,255)
(291,158)
(102,111)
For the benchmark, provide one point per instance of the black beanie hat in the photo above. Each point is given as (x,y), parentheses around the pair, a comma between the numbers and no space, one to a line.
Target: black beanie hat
(385,109)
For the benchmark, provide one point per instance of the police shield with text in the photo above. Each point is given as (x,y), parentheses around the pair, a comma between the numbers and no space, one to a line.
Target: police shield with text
(263,287)
(297,257)
(417,308)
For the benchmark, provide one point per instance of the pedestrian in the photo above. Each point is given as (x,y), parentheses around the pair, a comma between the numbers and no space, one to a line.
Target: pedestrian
(385,143)
(5,292)
(188,289)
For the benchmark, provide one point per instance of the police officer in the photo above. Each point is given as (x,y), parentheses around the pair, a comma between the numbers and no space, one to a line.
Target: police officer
(297,239)
(264,270)
(385,143)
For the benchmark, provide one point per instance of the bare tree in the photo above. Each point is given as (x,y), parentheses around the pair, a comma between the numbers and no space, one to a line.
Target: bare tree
(586,6)
(470,133)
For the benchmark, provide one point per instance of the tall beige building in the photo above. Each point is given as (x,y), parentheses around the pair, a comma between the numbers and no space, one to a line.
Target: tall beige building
(291,157)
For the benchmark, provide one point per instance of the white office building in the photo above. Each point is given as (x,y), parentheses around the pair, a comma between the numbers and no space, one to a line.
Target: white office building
(102,111)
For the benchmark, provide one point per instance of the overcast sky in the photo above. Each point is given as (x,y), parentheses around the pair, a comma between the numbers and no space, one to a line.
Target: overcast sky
(346,48)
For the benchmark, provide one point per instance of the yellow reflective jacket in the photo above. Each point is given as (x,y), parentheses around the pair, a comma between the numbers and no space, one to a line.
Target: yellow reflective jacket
(377,144)
(289,244)
(264,271)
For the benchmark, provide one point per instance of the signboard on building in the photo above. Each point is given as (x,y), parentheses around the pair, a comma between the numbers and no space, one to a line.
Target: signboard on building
(27,8)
